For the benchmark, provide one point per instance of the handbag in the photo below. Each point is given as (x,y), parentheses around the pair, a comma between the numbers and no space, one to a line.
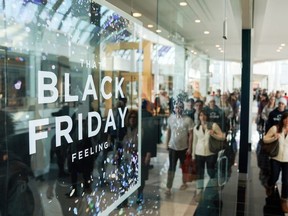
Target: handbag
(271,149)
(216,145)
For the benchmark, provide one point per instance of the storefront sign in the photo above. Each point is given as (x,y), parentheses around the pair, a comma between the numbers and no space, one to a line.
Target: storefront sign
(44,86)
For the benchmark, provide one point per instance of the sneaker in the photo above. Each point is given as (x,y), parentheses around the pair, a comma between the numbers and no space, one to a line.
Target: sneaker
(168,192)
(183,187)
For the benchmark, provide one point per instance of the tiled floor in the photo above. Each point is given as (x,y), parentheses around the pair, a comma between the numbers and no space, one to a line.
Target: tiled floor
(181,202)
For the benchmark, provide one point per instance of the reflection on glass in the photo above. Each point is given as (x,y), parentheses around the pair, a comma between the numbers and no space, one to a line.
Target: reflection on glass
(59,105)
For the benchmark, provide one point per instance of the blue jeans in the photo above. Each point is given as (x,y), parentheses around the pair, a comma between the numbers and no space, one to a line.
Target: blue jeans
(276,168)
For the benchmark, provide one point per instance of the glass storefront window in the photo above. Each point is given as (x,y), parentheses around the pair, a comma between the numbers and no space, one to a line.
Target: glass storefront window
(70,142)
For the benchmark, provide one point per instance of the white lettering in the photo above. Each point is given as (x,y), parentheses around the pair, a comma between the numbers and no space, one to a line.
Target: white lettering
(89,88)
(122,115)
(87,64)
(80,126)
(94,65)
(53,93)
(33,136)
(68,97)
(96,131)
(89,151)
(118,87)
(42,87)
(80,156)
(102,87)
(86,154)
(110,121)
(73,157)
(63,132)
(82,62)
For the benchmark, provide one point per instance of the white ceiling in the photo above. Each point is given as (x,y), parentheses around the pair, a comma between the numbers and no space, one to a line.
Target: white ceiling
(268,18)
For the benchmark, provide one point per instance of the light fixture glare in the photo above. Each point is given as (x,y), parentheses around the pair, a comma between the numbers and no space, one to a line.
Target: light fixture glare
(183,3)
(136,14)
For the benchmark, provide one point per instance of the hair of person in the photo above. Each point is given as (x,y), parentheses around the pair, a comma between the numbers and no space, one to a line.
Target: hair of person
(179,103)
(207,118)
(199,101)
(130,113)
(191,100)
(281,123)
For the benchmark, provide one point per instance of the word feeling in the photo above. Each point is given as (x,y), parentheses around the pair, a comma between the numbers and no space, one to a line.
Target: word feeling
(89,151)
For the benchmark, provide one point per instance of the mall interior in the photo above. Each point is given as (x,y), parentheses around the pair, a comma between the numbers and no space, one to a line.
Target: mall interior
(93,91)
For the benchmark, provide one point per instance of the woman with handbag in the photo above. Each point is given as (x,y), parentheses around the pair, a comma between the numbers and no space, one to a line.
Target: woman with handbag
(280,161)
(201,152)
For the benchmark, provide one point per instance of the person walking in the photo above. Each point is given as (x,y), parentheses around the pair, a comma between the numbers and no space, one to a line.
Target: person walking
(201,153)
(269,107)
(178,142)
(275,115)
(280,161)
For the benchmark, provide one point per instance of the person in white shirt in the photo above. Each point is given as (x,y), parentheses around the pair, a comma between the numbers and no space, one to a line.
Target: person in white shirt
(178,142)
(201,153)
(279,163)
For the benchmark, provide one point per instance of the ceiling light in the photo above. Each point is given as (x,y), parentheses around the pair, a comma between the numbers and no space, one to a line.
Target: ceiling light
(150,26)
(158,31)
(206,32)
(183,3)
(278,50)
(197,21)
(283,44)
(217,45)
(136,14)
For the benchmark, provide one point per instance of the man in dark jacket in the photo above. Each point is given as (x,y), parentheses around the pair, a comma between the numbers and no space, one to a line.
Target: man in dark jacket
(275,115)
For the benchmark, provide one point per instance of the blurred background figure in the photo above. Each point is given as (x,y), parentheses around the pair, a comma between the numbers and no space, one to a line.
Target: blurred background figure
(189,108)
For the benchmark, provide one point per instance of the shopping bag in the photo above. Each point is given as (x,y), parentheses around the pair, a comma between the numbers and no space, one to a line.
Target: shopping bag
(189,169)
